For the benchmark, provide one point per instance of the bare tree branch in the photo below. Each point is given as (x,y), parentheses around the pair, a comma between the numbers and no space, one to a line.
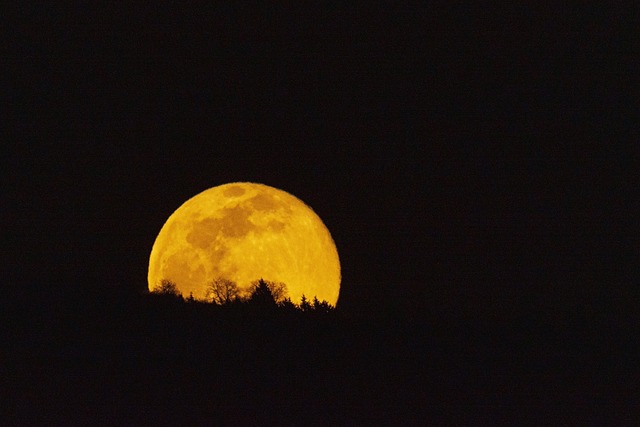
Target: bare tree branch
(222,291)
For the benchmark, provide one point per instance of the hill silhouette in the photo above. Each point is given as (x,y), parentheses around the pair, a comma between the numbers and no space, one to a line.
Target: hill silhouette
(166,360)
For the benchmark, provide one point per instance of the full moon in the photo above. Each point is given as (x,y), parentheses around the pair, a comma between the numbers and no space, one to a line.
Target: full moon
(243,232)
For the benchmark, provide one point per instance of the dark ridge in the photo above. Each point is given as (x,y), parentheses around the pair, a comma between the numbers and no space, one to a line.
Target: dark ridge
(161,359)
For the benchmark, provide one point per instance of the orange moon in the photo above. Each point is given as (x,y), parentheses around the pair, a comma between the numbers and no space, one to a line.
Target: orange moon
(242,232)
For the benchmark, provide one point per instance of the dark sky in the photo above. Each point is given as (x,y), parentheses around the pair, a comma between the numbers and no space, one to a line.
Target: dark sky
(466,156)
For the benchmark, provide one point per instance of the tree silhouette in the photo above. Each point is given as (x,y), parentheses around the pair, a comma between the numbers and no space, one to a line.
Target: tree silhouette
(167,288)
(222,291)
(304,304)
(321,306)
(260,295)
(287,304)
(277,290)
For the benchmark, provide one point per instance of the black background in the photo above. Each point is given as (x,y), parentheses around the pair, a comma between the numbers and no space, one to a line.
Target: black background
(484,149)
(468,160)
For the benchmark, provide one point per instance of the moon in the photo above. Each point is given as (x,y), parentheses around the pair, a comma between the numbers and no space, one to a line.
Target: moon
(245,231)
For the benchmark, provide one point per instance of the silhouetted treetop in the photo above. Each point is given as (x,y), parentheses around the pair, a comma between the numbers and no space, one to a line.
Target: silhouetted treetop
(304,304)
(261,294)
(167,288)
(222,291)
(321,306)
(268,291)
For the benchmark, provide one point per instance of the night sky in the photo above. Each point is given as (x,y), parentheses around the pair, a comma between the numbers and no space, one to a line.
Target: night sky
(478,160)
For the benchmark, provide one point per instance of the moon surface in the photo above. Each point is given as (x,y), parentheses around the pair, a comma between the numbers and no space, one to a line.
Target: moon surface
(243,232)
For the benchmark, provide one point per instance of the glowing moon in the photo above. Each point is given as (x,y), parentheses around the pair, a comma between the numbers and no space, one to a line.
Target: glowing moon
(244,231)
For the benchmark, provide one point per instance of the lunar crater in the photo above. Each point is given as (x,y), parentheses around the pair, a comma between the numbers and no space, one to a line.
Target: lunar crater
(275,225)
(233,191)
(234,222)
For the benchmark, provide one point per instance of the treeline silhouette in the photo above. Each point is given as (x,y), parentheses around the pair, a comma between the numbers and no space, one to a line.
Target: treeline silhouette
(127,358)
(260,295)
